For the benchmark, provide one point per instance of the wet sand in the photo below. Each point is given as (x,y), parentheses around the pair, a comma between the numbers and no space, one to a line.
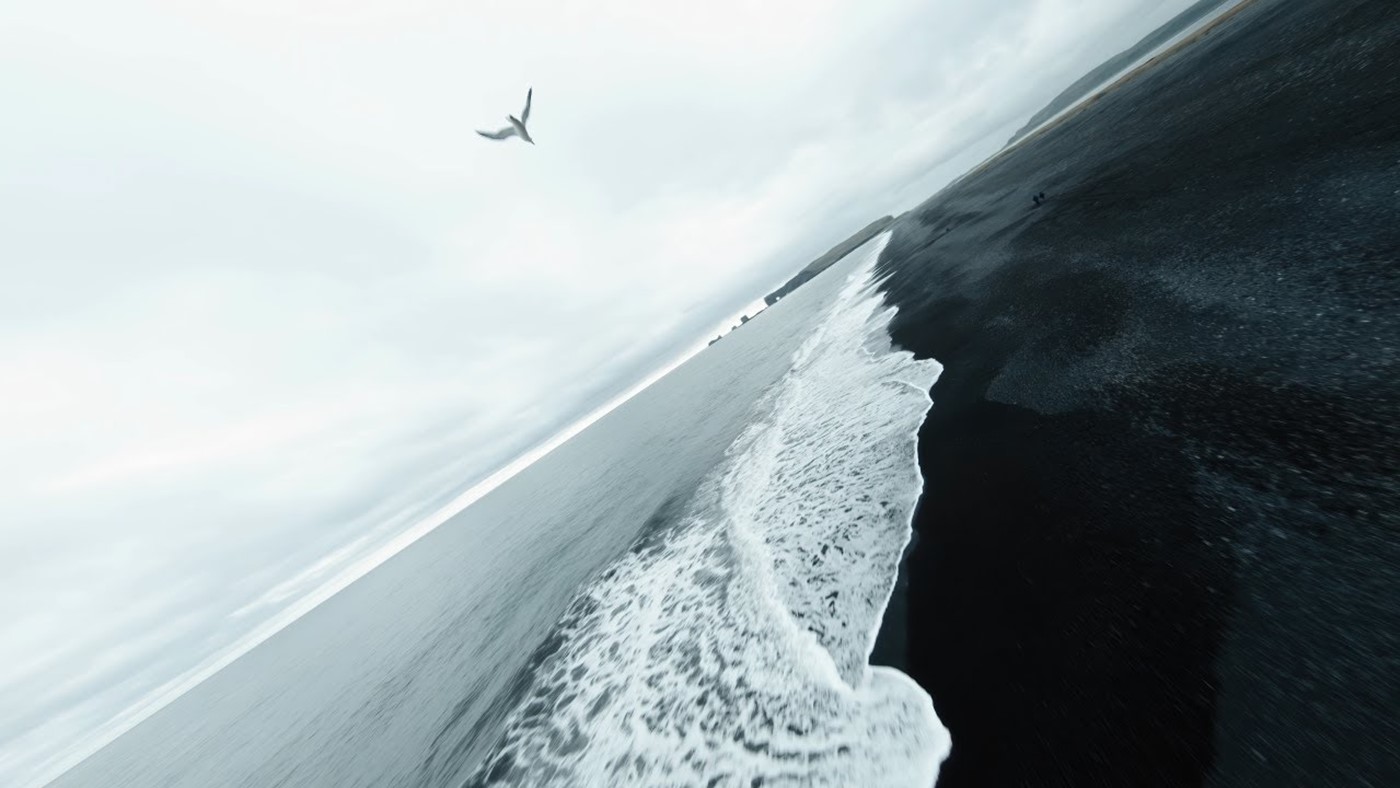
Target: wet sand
(1159,541)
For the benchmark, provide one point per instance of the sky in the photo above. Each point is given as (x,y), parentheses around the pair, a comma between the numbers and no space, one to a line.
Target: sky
(269,301)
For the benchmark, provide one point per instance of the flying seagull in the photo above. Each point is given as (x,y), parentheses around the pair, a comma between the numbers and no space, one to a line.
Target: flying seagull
(517,125)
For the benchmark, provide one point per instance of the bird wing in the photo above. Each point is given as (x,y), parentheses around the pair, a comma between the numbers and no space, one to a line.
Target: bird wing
(508,131)
(525,116)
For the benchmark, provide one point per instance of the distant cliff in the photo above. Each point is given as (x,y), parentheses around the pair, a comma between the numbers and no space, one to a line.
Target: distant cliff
(827,260)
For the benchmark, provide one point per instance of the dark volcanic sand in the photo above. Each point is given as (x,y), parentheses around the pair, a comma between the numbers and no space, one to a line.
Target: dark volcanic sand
(1159,541)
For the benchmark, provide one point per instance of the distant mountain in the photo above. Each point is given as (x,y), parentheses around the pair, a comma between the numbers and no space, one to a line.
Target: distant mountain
(1087,83)
(827,260)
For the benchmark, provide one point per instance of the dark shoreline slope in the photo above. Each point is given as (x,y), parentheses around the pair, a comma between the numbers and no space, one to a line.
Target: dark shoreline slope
(1105,71)
(1159,542)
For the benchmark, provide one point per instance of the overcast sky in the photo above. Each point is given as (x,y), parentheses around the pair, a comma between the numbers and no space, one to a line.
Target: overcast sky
(266,293)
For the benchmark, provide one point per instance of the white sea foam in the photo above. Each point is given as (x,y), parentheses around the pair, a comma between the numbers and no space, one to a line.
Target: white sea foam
(731,647)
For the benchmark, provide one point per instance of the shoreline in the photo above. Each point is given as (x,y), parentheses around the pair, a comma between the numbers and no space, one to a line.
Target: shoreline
(891,642)
(1155,544)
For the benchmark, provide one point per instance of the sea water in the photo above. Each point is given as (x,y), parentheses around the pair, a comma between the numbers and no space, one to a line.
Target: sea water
(683,594)
(729,646)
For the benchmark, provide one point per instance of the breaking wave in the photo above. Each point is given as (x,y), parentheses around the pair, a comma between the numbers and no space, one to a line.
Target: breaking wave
(730,648)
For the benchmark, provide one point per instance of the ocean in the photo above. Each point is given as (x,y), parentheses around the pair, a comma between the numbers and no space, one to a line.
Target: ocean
(685,593)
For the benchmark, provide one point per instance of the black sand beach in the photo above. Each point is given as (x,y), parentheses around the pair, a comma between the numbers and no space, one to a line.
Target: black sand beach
(1159,541)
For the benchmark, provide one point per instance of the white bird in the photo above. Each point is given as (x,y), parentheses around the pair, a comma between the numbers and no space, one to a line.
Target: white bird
(517,125)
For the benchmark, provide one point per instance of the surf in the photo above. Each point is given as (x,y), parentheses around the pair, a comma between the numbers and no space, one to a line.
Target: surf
(731,646)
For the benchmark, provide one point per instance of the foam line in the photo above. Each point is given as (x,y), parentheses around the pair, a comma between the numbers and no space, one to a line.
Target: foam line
(732,649)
